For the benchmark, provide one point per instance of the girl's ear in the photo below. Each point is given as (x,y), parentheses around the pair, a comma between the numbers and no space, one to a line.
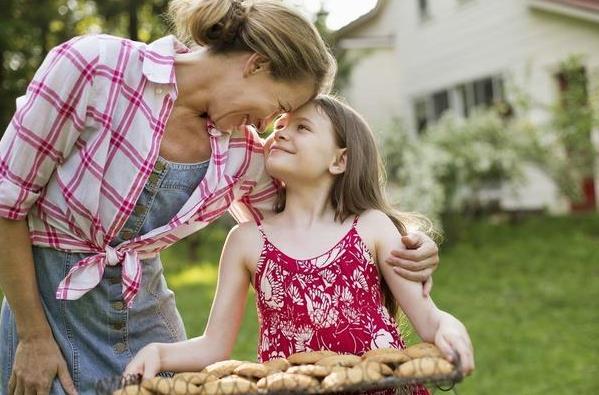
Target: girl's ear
(339,163)
(255,64)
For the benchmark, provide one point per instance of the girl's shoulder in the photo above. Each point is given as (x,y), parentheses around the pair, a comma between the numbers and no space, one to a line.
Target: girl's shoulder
(374,221)
(375,227)
(246,239)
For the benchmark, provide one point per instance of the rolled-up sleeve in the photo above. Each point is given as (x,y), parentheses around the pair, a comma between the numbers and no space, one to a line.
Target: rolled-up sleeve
(258,203)
(47,123)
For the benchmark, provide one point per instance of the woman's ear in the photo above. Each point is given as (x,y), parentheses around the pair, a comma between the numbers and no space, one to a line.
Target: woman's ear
(339,163)
(255,64)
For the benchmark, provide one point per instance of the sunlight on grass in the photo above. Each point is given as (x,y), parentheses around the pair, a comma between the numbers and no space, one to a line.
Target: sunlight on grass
(196,275)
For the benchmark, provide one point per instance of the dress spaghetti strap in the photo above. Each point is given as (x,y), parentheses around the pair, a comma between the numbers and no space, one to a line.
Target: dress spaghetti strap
(261,229)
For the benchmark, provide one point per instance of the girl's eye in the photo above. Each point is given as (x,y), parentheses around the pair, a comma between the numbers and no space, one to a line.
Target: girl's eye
(302,127)
(279,126)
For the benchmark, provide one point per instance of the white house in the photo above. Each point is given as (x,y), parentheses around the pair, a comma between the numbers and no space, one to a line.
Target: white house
(420,58)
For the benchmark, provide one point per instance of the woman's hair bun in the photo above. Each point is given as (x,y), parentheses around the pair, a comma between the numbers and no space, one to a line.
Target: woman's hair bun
(212,23)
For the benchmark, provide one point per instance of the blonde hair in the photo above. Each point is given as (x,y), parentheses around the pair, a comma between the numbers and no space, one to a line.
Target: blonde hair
(267,27)
(361,186)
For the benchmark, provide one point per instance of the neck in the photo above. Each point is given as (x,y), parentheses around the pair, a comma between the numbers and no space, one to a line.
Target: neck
(198,74)
(307,204)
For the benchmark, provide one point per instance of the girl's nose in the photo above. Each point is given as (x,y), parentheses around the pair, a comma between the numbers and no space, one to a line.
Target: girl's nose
(280,134)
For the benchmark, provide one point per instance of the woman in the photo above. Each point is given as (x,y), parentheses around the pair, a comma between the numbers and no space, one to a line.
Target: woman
(120,149)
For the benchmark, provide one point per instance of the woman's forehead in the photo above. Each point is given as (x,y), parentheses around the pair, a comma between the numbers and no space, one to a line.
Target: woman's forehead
(306,110)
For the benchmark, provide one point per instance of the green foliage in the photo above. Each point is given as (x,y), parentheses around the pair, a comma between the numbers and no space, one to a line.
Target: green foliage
(563,144)
(29,29)
(448,166)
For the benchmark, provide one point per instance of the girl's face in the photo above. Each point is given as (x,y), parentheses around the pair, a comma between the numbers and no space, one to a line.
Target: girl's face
(303,147)
(253,97)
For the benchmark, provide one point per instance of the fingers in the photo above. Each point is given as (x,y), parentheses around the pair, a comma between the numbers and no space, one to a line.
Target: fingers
(133,368)
(146,370)
(420,277)
(44,390)
(413,266)
(417,254)
(12,383)
(462,347)
(150,370)
(445,348)
(65,378)
(427,287)
(466,356)
(412,240)
(19,388)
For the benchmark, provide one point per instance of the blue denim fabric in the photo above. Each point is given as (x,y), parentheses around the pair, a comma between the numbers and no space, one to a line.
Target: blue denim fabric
(96,334)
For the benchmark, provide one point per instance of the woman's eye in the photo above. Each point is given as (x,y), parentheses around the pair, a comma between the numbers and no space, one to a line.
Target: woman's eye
(302,127)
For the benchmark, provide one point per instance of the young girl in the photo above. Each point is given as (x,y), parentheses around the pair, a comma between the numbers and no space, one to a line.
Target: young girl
(317,265)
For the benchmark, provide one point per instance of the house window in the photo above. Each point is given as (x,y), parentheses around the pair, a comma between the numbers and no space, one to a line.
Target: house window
(423,10)
(421,111)
(461,99)
(484,94)
(440,103)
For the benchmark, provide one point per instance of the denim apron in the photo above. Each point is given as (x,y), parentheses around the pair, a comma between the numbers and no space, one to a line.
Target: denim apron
(98,336)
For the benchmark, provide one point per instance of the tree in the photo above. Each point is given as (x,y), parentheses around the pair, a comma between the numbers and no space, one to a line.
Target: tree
(29,28)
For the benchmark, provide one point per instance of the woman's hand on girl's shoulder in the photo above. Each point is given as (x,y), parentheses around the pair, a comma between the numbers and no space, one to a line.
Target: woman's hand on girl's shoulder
(414,256)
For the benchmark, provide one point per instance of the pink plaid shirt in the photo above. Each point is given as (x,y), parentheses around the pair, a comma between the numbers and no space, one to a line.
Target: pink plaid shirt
(84,140)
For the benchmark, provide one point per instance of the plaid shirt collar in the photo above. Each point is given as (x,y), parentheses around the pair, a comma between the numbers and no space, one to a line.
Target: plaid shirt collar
(159,61)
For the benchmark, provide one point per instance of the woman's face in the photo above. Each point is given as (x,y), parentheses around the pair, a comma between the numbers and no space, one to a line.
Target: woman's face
(303,147)
(253,97)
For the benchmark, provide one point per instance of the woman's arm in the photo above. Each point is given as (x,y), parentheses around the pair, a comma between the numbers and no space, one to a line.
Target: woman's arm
(38,359)
(41,134)
(259,202)
(417,261)
(217,342)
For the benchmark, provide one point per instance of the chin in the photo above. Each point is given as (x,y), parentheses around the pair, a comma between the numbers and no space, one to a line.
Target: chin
(277,169)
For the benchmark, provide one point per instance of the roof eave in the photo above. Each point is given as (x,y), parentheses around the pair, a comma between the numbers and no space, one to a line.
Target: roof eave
(571,9)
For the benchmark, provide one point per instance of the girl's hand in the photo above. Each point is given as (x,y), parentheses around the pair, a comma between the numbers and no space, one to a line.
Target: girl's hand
(145,363)
(452,339)
(417,261)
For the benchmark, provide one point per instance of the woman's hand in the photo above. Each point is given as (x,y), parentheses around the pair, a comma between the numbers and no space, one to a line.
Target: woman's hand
(146,362)
(37,362)
(417,261)
(453,340)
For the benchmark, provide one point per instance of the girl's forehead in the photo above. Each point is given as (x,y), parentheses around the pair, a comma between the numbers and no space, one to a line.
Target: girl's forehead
(308,110)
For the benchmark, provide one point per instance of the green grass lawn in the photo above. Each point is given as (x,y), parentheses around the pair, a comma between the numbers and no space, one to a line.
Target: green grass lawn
(528,293)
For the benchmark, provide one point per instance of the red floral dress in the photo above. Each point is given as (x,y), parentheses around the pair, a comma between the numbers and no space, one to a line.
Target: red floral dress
(329,302)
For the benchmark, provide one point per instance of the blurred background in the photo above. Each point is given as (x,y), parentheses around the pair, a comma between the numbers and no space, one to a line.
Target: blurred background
(487,114)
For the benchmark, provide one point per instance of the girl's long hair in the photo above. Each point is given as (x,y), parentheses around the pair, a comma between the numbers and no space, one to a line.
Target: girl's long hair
(361,186)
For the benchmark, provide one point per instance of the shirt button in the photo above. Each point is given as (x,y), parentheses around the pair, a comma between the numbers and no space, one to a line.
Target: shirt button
(159,91)
(118,305)
(114,280)
(118,326)
(127,234)
(120,347)
(159,166)
(153,179)
(139,210)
